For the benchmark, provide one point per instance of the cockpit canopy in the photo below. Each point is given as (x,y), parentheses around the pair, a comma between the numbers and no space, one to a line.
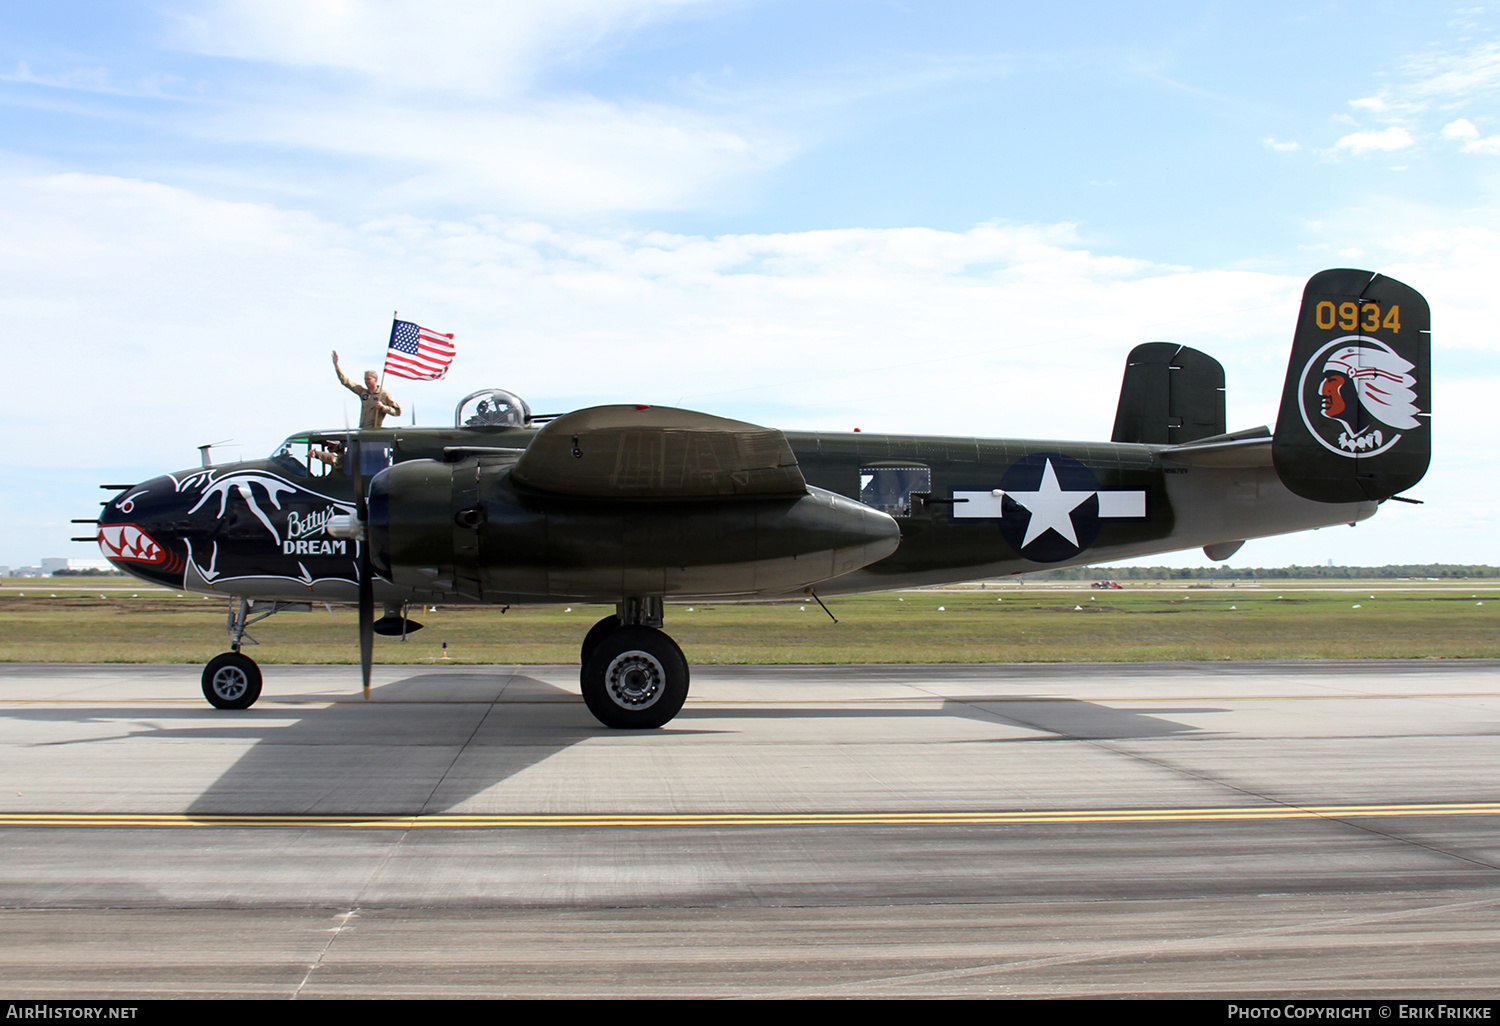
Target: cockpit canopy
(322,454)
(492,407)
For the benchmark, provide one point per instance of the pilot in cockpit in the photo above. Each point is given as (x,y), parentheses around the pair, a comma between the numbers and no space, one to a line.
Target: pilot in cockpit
(490,412)
(333,456)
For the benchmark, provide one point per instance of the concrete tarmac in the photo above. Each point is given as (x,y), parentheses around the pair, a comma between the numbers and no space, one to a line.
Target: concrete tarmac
(1232,830)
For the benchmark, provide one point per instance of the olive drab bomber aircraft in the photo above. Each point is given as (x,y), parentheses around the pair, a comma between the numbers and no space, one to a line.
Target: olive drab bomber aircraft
(637,506)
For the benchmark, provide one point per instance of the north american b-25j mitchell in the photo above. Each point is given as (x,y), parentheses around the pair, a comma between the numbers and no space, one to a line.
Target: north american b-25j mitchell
(637,506)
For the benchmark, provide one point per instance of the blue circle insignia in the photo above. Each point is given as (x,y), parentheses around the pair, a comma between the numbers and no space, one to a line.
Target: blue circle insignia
(1050,510)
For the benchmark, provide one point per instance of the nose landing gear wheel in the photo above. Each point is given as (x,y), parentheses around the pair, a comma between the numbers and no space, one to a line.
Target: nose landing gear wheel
(635,679)
(231,681)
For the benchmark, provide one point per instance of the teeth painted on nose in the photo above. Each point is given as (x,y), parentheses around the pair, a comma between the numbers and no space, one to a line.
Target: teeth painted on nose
(128,542)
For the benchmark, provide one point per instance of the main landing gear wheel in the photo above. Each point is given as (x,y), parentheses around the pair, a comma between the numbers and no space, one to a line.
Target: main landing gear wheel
(596,634)
(636,679)
(231,681)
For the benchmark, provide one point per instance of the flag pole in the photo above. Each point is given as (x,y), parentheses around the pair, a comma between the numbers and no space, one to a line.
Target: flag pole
(388,350)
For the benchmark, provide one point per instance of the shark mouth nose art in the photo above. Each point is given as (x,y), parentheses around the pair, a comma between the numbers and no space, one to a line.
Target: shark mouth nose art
(128,542)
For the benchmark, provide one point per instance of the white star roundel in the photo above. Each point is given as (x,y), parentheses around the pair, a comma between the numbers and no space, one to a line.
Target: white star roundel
(1049,506)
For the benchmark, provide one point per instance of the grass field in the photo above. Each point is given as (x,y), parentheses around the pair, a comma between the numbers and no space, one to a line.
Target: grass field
(111,622)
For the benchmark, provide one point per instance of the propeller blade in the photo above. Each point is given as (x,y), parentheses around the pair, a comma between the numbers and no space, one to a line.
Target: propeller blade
(353,457)
(366,622)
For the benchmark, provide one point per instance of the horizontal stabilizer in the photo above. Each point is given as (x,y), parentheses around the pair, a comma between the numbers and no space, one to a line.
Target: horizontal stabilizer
(657,452)
(1251,448)
(1171,394)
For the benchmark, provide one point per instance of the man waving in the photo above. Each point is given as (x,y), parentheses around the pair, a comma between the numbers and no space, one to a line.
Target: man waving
(374,401)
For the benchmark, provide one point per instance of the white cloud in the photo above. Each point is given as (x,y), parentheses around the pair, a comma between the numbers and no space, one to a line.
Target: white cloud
(1283,147)
(1427,85)
(219,315)
(94,80)
(440,105)
(1385,140)
(171,320)
(1449,76)
(1463,130)
(482,46)
(559,156)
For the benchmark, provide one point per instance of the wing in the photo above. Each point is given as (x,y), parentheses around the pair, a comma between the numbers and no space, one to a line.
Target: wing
(657,452)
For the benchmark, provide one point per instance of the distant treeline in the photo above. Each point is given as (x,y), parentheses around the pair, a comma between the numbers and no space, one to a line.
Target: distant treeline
(1420,571)
(87,572)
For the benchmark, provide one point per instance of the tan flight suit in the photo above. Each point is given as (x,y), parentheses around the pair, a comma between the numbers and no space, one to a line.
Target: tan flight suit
(334,459)
(373,404)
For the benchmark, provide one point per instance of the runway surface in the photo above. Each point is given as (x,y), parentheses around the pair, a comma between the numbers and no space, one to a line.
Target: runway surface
(1200,829)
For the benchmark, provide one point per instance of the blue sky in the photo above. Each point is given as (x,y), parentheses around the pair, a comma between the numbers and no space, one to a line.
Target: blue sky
(939,218)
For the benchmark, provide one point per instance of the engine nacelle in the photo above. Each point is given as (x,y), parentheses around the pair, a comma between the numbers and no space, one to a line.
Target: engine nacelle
(465,530)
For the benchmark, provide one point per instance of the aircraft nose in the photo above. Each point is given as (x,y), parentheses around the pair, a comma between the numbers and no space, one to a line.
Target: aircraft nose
(132,530)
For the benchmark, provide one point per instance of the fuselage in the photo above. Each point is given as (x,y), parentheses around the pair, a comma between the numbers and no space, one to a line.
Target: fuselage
(965,508)
(636,506)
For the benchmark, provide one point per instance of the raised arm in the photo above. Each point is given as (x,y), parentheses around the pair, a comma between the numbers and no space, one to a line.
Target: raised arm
(351,386)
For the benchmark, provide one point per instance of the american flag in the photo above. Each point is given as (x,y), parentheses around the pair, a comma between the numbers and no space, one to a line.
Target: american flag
(417,352)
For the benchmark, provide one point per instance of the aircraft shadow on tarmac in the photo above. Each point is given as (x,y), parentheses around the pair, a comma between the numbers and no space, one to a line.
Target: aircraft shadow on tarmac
(430,742)
(1063,718)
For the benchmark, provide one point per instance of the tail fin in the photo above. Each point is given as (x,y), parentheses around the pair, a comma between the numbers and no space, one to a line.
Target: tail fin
(1171,394)
(1354,422)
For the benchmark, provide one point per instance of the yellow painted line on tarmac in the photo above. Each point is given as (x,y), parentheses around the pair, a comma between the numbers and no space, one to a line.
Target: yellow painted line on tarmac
(753,819)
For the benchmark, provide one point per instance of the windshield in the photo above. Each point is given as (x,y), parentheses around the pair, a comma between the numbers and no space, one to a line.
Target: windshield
(324,456)
(287,458)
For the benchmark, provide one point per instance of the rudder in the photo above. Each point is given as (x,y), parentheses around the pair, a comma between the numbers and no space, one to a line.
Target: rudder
(1354,421)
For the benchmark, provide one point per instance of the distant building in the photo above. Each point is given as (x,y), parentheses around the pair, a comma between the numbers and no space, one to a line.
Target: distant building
(52,565)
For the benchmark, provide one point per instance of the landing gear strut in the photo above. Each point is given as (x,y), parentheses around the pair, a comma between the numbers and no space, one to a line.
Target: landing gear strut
(634,676)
